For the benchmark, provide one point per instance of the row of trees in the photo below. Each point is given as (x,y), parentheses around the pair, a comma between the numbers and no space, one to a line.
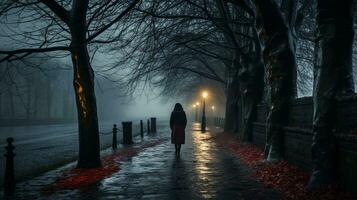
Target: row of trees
(249,47)
(253,49)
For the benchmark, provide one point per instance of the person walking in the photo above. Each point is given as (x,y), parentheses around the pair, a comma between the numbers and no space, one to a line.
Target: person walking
(178,122)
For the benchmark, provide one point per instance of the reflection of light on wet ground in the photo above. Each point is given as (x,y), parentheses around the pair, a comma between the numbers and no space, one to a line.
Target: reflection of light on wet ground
(204,159)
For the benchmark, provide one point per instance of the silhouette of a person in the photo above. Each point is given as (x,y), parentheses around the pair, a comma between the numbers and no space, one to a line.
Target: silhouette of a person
(178,122)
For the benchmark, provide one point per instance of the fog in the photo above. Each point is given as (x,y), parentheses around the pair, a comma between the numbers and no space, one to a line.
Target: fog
(40,89)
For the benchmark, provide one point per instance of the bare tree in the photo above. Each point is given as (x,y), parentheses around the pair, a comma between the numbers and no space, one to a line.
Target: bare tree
(70,27)
(182,36)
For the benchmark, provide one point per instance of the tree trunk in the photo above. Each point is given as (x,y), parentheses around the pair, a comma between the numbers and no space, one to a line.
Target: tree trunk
(1,109)
(279,58)
(333,78)
(83,82)
(231,115)
(251,84)
(86,108)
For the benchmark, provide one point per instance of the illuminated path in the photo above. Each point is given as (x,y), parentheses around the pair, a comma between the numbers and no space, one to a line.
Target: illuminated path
(203,171)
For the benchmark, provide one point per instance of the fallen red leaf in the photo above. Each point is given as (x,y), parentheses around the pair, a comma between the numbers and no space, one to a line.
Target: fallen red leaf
(76,178)
(288,179)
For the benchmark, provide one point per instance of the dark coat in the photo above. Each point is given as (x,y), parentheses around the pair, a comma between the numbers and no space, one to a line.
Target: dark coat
(178,122)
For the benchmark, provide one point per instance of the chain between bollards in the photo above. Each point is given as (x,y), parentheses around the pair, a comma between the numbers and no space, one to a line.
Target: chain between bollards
(127,131)
(9,181)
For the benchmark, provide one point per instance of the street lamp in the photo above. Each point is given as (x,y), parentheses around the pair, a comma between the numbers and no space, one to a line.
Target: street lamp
(203,122)
(213,115)
(196,107)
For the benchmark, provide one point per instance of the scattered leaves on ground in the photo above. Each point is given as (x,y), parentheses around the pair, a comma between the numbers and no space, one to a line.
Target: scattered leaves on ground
(75,178)
(288,179)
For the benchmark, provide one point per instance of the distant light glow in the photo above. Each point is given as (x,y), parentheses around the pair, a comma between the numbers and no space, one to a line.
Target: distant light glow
(213,107)
(197,103)
(204,94)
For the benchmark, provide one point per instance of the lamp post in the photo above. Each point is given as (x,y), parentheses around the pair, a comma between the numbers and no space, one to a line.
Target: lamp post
(195,111)
(213,116)
(197,106)
(213,108)
(203,121)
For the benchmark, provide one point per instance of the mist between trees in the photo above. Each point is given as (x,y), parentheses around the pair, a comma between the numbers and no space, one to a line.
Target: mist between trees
(40,90)
(245,52)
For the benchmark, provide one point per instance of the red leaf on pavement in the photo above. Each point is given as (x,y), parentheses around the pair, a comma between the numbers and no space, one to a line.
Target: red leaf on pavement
(76,178)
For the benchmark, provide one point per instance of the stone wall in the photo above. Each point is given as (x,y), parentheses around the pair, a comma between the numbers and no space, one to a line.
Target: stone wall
(298,136)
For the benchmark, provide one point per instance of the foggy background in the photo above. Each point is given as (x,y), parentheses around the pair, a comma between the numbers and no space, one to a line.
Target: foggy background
(45,92)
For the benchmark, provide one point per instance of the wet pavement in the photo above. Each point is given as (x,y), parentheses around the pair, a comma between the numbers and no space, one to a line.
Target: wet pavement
(202,171)
(40,148)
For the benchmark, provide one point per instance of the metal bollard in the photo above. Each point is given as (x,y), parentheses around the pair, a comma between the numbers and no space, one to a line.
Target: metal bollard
(115,142)
(148,126)
(127,133)
(153,124)
(141,128)
(9,181)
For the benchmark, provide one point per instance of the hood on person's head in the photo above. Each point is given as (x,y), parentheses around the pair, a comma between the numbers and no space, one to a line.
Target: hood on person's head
(178,107)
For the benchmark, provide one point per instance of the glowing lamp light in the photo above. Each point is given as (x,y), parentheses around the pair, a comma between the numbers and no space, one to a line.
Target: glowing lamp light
(194,106)
(197,103)
(212,107)
(204,94)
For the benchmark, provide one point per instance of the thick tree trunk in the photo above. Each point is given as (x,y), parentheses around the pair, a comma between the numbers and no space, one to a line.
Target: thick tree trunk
(231,115)
(83,82)
(1,107)
(279,58)
(251,84)
(86,108)
(333,78)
